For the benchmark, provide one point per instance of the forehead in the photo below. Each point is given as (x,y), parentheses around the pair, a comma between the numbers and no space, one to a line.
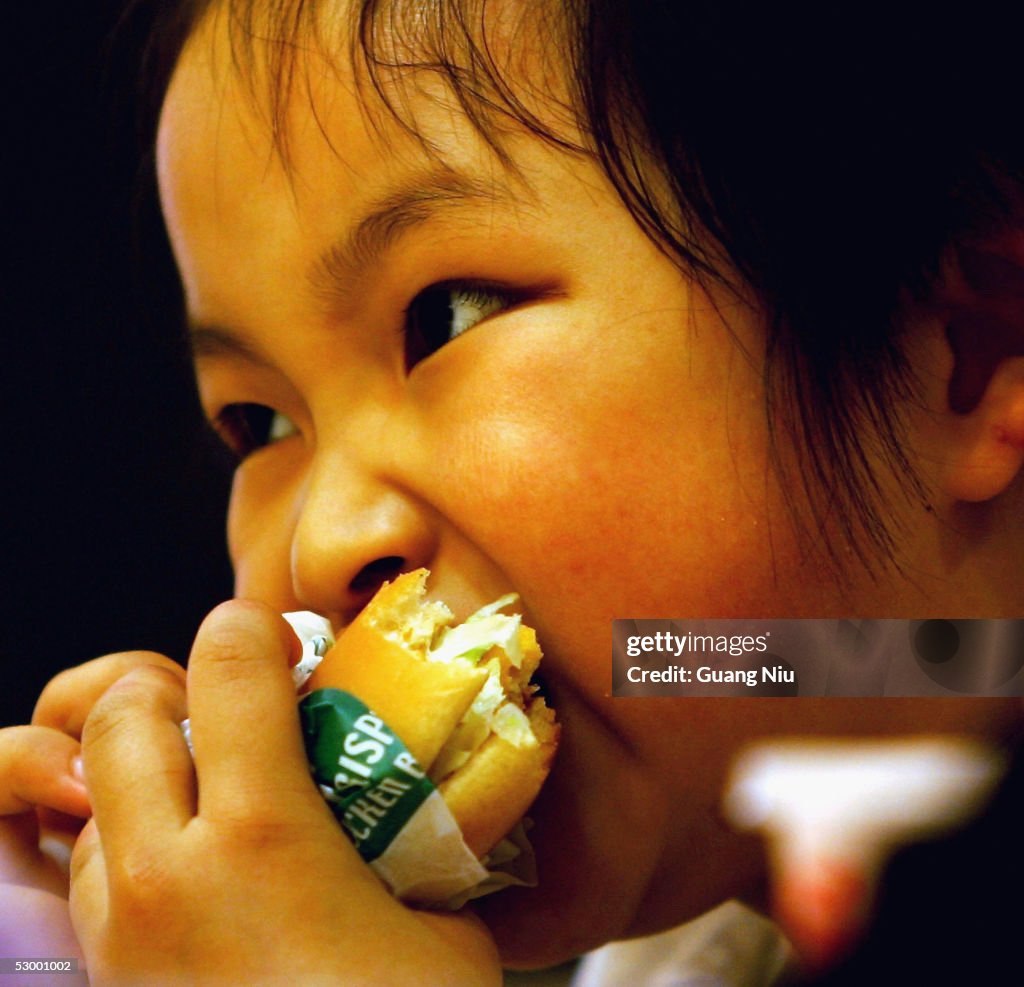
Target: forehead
(283,107)
(225,128)
(238,155)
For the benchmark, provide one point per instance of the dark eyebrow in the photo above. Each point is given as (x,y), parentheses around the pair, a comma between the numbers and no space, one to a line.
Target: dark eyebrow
(336,271)
(393,215)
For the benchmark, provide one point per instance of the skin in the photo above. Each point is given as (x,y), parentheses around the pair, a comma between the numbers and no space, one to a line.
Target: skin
(599,446)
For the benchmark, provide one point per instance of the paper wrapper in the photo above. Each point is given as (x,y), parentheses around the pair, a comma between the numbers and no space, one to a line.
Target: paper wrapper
(384,800)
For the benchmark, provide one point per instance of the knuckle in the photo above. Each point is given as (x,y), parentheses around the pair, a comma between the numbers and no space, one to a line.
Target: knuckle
(254,819)
(56,702)
(136,663)
(254,836)
(152,678)
(130,660)
(136,666)
(142,882)
(112,713)
(122,703)
(133,695)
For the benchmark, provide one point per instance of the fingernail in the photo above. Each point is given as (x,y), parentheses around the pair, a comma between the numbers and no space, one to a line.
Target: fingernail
(78,768)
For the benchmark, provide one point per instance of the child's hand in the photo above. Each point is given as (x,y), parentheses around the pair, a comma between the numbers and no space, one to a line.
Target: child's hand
(236,872)
(37,770)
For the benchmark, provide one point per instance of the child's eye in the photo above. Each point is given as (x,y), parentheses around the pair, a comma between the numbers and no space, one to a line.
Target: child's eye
(244,428)
(443,311)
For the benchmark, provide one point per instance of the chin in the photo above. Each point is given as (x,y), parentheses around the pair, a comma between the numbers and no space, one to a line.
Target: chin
(599,825)
(618,854)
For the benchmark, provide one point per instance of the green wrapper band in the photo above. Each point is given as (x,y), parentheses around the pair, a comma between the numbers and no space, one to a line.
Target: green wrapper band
(368,777)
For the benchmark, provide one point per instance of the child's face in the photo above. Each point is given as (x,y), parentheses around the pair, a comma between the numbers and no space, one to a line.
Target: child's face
(594,439)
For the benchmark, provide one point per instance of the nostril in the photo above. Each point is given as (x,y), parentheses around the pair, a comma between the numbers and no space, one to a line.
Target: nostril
(370,577)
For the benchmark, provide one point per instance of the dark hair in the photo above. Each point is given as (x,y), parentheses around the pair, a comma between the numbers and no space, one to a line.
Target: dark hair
(820,158)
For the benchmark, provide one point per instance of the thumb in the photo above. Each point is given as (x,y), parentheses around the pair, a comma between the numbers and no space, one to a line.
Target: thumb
(249,754)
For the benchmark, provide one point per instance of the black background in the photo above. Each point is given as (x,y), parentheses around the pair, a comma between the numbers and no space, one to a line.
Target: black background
(112,493)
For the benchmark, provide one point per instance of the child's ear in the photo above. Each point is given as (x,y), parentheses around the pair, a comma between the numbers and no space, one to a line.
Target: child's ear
(984,298)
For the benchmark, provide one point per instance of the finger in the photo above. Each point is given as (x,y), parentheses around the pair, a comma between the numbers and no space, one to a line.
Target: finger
(137,765)
(89,896)
(245,728)
(66,700)
(37,768)
(40,766)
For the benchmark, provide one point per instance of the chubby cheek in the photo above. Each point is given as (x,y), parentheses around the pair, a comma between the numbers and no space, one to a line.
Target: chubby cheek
(639,490)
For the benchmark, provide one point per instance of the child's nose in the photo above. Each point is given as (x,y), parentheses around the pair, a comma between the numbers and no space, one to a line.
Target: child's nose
(352,534)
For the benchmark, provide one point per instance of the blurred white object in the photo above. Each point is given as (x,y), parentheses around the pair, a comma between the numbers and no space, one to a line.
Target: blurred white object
(730,946)
(833,811)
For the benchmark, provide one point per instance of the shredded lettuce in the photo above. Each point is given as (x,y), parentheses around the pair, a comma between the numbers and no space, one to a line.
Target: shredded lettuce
(512,724)
(481,632)
(506,601)
(490,711)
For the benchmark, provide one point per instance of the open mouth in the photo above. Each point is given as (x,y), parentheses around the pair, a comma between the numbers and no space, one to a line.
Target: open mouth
(539,683)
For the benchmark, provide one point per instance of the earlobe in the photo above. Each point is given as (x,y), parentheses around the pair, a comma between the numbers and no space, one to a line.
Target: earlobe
(986,451)
(984,401)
